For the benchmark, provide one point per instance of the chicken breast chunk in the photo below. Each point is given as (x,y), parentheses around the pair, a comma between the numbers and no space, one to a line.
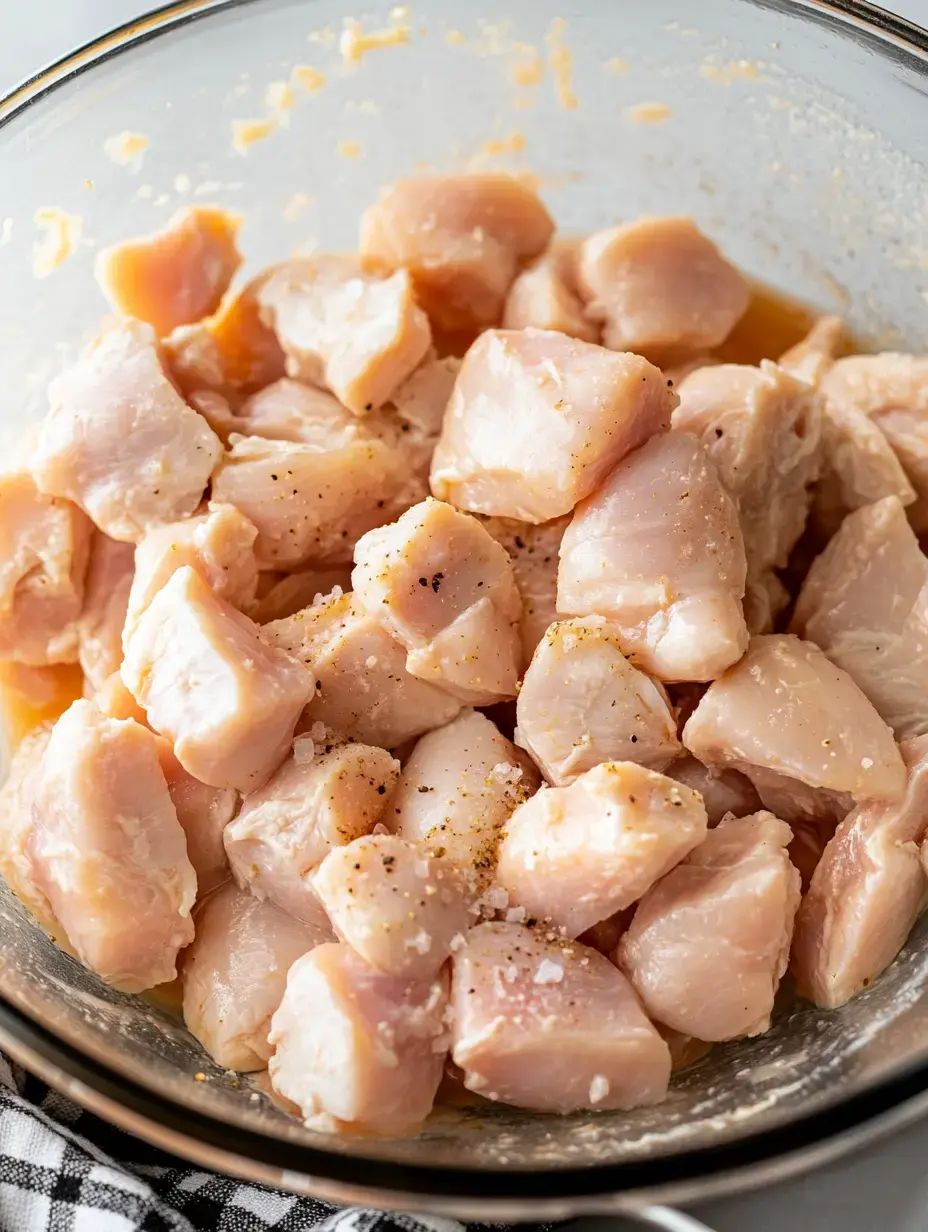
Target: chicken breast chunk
(710,942)
(461,237)
(284,594)
(551,1026)
(582,703)
(107,850)
(723,790)
(762,429)
(658,550)
(533,550)
(575,855)
(120,441)
(544,296)
(357,1050)
(537,421)
(177,275)
(227,701)
(106,601)
(322,797)
(17,818)
(814,354)
(660,286)
(203,812)
(446,589)
(235,973)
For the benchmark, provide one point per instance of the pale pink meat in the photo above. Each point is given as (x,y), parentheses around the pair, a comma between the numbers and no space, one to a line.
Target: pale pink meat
(810,838)
(537,421)
(814,354)
(551,1026)
(116,702)
(533,549)
(203,812)
(710,942)
(544,296)
(106,601)
(575,855)
(582,703)
(227,701)
(283,594)
(659,551)
(723,790)
(357,1050)
(17,818)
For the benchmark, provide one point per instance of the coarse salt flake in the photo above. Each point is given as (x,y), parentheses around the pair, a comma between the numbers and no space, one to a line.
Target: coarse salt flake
(548,972)
(599,1088)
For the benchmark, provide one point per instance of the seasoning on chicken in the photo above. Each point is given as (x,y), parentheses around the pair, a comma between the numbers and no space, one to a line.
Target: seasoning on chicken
(710,942)
(575,855)
(658,550)
(387,1033)
(582,703)
(537,421)
(326,794)
(120,441)
(551,1026)
(362,687)
(17,817)
(723,790)
(544,296)
(283,594)
(357,335)
(227,701)
(660,287)
(235,973)
(462,239)
(865,604)
(814,354)
(107,850)
(786,710)
(762,429)
(106,601)
(44,549)
(533,550)
(866,892)
(203,812)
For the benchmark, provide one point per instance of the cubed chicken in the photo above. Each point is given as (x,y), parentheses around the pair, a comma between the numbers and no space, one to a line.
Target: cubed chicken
(462,239)
(394,905)
(362,687)
(658,550)
(814,354)
(359,336)
(107,850)
(290,410)
(326,794)
(120,441)
(203,812)
(421,401)
(456,792)
(660,287)
(865,604)
(866,892)
(537,421)
(177,275)
(544,296)
(798,803)
(710,942)
(357,1050)
(446,589)
(44,550)
(17,818)
(106,601)
(235,973)
(116,702)
(283,594)
(575,855)
(762,429)
(226,700)
(785,709)
(723,790)
(582,703)
(551,1026)
(533,550)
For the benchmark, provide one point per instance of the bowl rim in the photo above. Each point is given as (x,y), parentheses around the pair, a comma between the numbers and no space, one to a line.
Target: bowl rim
(760,1157)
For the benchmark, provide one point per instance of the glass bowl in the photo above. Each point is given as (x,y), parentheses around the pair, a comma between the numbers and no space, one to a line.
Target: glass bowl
(793,130)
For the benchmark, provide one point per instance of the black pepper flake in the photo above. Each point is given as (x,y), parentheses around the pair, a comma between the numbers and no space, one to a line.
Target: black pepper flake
(368,406)
(437,579)
(273,476)
(423,581)
(519,542)
(381,789)
(634,739)
(388,860)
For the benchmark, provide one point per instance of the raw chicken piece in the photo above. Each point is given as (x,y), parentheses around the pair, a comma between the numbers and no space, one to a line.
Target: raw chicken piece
(723,791)
(810,838)
(177,275)
(31,697)
(396,907)
(865,604)
(550,1026)
(658,550)
(362,686)
(446,589)
(218,545)
(235,973)
(357,1050)
(291,410)
(762,429)
(676,374)
(120,441)
(811,358)
(796,802)
(533,550)
(116,702)
(710,942)
(544,296)
(227,701)
(106,600)
(456,792)
(359,336)
(461,237)
(44,548)
(321,798)
(537,421)
(421,401)
(203,812)
(291,592)
(660,287)
(582,703)
(866,893)
(17,818)
(786,709)
(107,849)
(575,855)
